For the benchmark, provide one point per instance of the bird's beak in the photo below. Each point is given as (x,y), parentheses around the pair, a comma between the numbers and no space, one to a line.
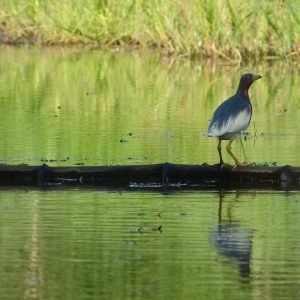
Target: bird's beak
(255,77)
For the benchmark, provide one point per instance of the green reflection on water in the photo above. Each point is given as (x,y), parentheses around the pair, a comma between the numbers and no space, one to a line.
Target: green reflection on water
(76,107)
(89,244)
(98,108)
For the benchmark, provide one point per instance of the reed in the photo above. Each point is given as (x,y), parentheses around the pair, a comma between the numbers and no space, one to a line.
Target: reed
(231,29)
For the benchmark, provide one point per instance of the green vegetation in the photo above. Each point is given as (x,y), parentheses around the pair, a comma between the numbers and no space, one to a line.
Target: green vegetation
(231,29)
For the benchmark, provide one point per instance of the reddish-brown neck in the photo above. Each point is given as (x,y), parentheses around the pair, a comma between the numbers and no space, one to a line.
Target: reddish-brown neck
(243,88)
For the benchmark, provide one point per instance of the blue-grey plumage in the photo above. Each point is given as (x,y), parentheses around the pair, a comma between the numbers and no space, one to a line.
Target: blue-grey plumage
(230,118)
(233,116)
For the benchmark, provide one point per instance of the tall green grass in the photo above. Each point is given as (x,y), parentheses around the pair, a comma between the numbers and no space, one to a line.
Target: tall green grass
(231,29)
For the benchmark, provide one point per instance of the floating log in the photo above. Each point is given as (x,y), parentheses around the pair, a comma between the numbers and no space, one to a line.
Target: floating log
(153,176)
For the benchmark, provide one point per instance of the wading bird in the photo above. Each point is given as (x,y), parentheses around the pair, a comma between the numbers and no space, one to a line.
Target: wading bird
(233,116)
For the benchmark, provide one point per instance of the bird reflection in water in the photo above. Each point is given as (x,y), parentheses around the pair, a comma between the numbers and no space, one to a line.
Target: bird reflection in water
(233,241)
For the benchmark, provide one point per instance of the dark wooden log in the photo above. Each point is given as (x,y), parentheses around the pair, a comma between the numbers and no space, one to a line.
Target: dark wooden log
(153,176)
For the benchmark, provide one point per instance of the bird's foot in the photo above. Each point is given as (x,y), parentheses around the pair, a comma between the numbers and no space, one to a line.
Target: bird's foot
(224,165)
(221,164)
(240,165)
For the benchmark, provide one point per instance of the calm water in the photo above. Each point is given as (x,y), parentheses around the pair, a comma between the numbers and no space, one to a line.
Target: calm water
(130,245)
(76,107)
(67,107)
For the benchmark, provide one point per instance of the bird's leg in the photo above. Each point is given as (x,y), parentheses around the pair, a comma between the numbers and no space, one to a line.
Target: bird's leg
(228,148)
(243,149)
(220,153)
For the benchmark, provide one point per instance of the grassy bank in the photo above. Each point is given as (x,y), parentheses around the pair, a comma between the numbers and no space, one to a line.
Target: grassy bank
(231,29)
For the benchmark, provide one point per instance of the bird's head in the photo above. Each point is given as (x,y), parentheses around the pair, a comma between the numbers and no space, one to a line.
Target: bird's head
(246,81)
(249,78)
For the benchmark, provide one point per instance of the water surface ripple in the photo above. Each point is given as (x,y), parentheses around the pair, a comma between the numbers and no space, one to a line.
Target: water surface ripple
(125,245)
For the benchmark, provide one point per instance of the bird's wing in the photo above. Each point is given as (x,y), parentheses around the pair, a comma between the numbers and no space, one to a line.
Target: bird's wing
(229,117)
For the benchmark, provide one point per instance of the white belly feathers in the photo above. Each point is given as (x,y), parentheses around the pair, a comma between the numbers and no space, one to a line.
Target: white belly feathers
(233,125)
